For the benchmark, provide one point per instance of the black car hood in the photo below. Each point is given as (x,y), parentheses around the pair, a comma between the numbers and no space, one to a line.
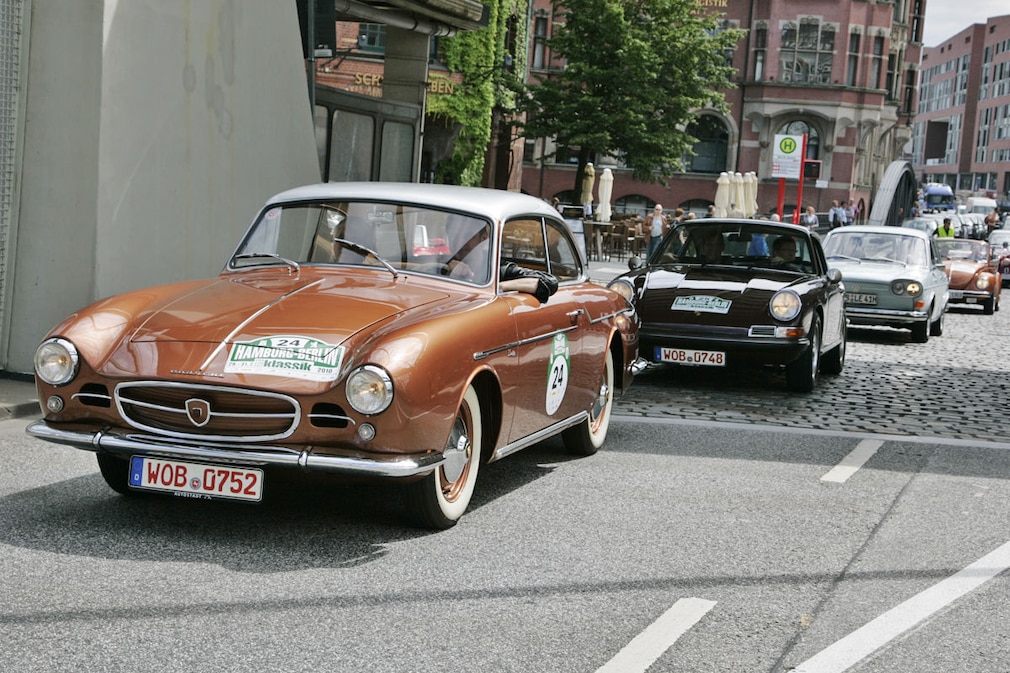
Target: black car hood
(714,294)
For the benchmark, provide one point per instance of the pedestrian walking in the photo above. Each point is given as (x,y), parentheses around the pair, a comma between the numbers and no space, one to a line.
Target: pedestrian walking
(809,218)
(655,227)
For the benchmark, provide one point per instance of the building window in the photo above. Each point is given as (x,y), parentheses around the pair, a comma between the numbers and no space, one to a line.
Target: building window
(878,62)
(909,97)
(540,60)
(710,149)
(760,48)
(853,64)
(798,128)
(372,37)
(807,51)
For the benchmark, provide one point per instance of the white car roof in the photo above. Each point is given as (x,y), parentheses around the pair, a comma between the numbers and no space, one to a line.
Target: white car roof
(495,204)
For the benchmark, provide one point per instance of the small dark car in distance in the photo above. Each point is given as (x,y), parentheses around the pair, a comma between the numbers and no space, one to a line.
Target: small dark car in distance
(726,292)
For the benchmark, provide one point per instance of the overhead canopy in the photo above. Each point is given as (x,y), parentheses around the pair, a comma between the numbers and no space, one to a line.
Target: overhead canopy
(434,17)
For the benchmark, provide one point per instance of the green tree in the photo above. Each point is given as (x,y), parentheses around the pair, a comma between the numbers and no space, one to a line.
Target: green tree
(635,73)
(480,56)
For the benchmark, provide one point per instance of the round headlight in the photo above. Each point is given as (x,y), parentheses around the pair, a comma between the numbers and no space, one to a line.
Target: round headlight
(624,288)
(785,305)
(982,283)
(56,361)
(913,289)
(898,287)
(369,389)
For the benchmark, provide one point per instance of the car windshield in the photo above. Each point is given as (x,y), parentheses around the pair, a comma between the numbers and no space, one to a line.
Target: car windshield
(398,236)
(877,247)
(745,244)
(921,224)
(999,239)
(954,248)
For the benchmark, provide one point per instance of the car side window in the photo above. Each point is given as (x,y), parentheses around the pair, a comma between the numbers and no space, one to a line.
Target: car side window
(562,256)
(542,246)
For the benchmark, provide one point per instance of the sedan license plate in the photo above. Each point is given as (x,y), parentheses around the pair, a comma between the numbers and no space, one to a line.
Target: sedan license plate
(858,298)
(193,480)
(687,356)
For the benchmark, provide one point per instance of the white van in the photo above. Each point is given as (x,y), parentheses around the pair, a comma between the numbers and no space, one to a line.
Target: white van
(981,204)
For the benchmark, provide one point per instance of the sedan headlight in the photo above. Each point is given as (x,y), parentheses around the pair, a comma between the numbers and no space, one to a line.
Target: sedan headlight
(982,283)
(785,305)
(624,288)
(369,389)
(910,287)
(56,361)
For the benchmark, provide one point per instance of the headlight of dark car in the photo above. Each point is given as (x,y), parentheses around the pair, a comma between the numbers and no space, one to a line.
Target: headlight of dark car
(910,287)
(785,305)
(623,287)
(56,361)
(369,389)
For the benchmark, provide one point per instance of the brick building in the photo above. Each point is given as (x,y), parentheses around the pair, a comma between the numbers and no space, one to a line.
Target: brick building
(962,125)
(842,72)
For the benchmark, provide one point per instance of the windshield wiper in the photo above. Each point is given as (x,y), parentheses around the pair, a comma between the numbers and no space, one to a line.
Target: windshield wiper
(884,259)
(269,255)
(366,252)
(845,257)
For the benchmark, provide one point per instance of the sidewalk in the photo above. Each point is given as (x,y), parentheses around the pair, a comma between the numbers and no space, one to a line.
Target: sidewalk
(17,391)
(17,396)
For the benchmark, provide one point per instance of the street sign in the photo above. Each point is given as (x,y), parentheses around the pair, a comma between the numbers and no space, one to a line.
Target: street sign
(787,156)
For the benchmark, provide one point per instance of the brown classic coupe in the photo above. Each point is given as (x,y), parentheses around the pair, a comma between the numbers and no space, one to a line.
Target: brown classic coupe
(398,331)
(972,273)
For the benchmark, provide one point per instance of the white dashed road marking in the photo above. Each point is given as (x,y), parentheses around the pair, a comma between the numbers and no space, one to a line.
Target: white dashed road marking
(852,462)
(650,644)
(864,641)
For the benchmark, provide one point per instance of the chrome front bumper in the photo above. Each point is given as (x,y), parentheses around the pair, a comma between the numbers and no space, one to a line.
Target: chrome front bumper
(873,315)
(130,444)
(965,295)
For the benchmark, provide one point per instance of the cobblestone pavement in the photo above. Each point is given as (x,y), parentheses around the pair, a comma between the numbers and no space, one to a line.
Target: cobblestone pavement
(953,386)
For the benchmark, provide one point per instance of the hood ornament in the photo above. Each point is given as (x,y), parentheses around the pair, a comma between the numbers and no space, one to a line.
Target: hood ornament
(198,411)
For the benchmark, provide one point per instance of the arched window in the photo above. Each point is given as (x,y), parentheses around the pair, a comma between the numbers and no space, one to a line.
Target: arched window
(635,204)
(798,128)
(710,149)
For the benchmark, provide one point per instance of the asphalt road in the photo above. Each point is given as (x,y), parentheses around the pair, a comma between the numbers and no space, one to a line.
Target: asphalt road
(727,525)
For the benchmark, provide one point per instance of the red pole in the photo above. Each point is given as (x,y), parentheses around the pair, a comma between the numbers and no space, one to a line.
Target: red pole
(782,196)
(799,193)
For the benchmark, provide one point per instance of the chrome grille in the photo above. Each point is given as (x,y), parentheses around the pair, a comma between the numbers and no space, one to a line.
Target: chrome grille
(207,412)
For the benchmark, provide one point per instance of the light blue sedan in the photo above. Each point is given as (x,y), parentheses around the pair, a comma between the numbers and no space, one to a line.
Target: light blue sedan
(893,276)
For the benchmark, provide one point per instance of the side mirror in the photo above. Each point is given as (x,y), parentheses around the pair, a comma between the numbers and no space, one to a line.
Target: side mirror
(834,275)
(635,262)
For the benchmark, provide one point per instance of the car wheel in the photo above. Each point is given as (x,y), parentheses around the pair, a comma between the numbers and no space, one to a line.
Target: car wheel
(587,437)
(989,306)
(439,499)
(936,327)
(801,373)
(115,471)
(834,360)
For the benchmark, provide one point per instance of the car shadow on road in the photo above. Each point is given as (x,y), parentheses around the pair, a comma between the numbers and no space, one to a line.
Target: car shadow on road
(301,523)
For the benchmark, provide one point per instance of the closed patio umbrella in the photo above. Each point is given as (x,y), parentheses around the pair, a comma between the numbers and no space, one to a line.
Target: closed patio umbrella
(740,193)
(722,195)
(588,180)
(751,207)
(606,189)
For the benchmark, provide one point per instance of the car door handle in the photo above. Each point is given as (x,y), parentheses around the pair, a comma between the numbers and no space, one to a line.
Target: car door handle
(573,316)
